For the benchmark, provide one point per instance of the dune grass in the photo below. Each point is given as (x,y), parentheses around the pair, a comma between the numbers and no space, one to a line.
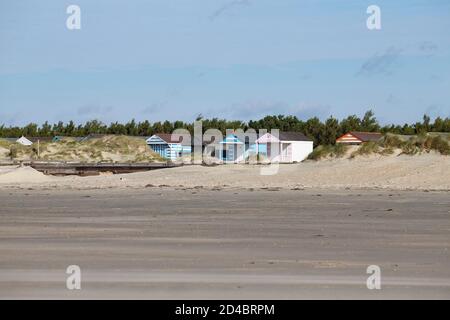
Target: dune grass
(426,143)
(367,148)
(5,144)
(104,149)
(409,145)
(338,150)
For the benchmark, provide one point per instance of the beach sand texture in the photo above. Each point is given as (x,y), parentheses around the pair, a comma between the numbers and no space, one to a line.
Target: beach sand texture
(421,172)
(161,243)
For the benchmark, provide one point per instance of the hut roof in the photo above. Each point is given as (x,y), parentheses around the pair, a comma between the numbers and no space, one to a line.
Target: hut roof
(367,136)
(293,136)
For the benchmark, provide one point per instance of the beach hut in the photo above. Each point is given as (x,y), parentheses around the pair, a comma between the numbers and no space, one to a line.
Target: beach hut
(58,138)
(232,149)
(356,137)
(288,147)
(168,147)
(24,141)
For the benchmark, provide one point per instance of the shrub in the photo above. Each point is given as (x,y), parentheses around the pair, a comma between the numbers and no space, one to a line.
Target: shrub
(12,152)
(410,147)
(439,144)
(418,144)
(391,141)
(338,150)
(366,148)
(427,143)
(5,144)
(387,151)
(319,152)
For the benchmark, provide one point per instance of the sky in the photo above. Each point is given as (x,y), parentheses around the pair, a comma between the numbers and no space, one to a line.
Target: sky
(236,59)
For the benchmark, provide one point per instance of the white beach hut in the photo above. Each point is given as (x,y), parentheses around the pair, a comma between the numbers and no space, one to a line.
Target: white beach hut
(288,147)
(24,141)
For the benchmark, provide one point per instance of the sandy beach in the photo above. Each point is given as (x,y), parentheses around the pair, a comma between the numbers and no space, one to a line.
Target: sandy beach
(161,243)
(195,232)
(423,172)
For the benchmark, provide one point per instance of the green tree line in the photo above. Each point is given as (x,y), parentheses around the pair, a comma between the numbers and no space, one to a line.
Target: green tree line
(322,132)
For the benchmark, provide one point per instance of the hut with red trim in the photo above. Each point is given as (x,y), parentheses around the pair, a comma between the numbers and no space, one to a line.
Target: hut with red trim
(356,137)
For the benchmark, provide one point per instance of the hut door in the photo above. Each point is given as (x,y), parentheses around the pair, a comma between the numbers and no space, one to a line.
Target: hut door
(230,153)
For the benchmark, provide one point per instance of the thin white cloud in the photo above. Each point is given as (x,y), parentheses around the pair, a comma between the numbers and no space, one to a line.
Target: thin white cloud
(228,6)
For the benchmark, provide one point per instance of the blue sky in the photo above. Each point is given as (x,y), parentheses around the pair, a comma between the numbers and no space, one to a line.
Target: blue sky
(241,59)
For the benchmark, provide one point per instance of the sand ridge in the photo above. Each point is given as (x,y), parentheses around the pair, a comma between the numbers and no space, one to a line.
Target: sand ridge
(421,172)
(22,175)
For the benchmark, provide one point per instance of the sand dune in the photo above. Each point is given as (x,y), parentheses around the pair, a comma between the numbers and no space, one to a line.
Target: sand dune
(108,148)
(22,175)
(4,153)
(427,171)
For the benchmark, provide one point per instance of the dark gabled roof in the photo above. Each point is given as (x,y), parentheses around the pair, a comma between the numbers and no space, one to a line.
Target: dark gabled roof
(293,136)
(167,137)
(367,136)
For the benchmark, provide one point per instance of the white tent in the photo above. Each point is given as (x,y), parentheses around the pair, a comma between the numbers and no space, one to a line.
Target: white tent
(24,141)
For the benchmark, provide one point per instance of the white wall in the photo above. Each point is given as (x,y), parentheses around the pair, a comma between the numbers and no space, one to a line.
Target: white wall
(301,150)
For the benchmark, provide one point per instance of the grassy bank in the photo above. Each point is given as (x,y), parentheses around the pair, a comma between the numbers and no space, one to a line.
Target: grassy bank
(104,149)
(409,145)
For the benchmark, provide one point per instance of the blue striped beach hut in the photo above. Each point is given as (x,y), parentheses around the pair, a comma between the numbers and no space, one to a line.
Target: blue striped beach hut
(168,147)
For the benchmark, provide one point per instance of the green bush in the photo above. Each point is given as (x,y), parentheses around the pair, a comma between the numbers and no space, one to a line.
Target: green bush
(439,144)
(5,144)
(391,141)
(415,145)
(426,143)
(339,150)
(387,151)
(410,147)
(366,148)
(319,152)
(12,152)
(323,151)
